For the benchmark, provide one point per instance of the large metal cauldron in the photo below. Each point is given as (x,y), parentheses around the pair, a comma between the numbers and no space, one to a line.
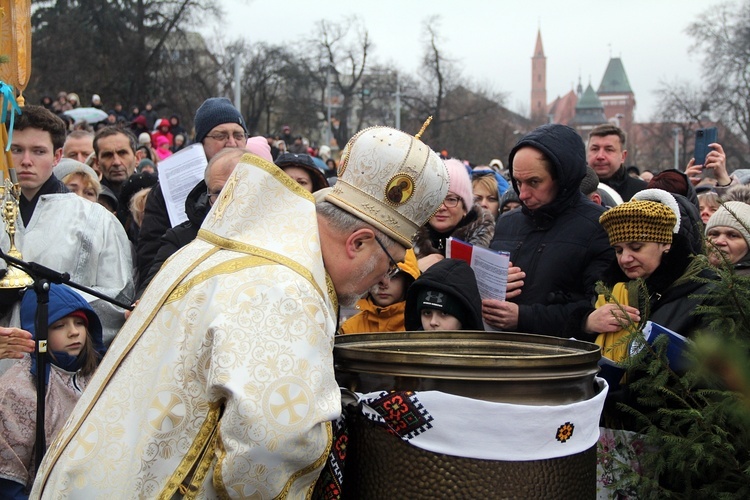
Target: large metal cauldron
(492,366)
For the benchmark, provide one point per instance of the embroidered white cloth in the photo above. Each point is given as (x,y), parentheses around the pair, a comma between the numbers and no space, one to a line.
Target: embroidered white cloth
(471,428)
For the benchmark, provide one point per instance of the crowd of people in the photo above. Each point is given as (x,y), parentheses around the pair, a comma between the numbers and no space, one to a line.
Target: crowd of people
(279,253)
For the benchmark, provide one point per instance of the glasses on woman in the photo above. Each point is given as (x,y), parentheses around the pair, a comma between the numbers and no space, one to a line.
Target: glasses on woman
(451,201)
(393,269)
(224,136)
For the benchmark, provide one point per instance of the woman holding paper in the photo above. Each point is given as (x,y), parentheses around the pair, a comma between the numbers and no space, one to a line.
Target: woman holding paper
(457,217)
(644,234)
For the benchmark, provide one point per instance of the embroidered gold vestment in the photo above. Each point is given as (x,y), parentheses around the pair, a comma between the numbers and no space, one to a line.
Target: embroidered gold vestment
(221,383)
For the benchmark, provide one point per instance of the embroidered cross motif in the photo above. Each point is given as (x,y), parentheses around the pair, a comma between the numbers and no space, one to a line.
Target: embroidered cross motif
(564,432)
(167,412)
(289,403)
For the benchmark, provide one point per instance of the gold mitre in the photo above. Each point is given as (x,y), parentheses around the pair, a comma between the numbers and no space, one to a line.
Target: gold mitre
(391,180)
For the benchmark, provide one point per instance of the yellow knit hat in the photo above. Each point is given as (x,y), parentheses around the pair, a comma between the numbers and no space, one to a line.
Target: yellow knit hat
(639,220)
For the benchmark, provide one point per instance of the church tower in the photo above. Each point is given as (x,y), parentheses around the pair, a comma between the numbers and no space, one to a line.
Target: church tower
(616,95)
(539,83)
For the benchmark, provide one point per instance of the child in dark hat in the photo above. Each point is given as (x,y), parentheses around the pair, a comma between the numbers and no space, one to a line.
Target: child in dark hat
(445,297)
(74,343)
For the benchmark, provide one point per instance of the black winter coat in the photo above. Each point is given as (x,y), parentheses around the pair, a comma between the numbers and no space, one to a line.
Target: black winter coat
(625,185)
(155,224)
(196,209)
(453,277)
(674,293)
(561,246)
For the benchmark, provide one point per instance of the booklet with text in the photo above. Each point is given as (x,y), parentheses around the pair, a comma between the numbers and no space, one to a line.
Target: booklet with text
(178,175)
(490,266)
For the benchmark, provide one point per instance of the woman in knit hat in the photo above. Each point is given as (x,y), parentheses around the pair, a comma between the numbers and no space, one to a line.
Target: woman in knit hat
(728,233)
(457,217)
(650,251)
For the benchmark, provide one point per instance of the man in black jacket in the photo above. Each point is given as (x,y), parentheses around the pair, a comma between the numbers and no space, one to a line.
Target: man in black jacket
(557,247)
(606,155)
(218,125)
(197,204)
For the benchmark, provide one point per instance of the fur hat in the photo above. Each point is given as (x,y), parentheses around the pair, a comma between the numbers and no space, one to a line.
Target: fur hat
(391,180)
(723,218)
(639,220)
(460,182)
(213,112)
(109,197)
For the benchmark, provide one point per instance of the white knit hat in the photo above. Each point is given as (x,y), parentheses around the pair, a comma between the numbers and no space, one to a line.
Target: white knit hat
(391,180)
(723,218)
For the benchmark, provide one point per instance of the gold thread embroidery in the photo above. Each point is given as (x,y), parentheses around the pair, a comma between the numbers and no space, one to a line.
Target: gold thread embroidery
(226,267)
(219,486)
(201,444)
(61,442)
(311,467)
(278,175)
(226,197)
(237,246)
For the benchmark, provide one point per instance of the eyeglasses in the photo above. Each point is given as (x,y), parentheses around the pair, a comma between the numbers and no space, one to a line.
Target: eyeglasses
(393,269)
(224,136)
(451,201)
(212,197)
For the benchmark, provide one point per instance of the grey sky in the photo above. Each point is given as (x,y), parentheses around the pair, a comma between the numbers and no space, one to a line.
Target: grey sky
(494,40)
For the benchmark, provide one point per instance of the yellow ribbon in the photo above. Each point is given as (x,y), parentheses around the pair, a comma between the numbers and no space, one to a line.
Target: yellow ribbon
(613,344)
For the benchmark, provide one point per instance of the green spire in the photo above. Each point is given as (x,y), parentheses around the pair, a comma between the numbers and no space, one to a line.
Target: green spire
(615,80)
(589,100)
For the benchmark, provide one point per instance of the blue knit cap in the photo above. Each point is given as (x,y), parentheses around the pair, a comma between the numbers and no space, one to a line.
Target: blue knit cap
(213,112)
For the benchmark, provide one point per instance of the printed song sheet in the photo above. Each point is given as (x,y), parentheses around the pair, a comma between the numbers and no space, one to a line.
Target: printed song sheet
(178,175)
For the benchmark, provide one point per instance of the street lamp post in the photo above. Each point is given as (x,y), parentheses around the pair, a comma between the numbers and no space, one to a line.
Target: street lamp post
(398,103)
(237,79)
(676,134)
(328,94)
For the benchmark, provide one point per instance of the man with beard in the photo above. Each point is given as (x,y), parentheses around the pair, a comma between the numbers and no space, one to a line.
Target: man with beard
(221,383)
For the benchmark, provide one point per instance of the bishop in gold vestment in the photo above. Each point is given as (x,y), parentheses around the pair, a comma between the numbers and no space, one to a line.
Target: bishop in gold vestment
(221,383)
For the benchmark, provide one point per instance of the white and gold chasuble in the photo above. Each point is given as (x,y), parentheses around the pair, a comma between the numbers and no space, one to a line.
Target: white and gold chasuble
(221,383)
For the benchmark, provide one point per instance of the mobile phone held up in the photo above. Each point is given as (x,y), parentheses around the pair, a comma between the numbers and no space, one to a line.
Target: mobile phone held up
(704,137)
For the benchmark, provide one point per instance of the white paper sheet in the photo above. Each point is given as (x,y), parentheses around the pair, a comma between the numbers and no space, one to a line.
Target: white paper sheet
(178,175)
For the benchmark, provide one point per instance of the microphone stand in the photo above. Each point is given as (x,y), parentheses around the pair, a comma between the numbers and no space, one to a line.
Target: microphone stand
(42,277)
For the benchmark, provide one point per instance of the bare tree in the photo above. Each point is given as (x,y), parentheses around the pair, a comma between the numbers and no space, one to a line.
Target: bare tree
(122,50)
(341,54)
(722,33)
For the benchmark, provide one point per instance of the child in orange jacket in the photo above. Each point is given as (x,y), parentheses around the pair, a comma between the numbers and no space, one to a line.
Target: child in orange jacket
(383,308)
